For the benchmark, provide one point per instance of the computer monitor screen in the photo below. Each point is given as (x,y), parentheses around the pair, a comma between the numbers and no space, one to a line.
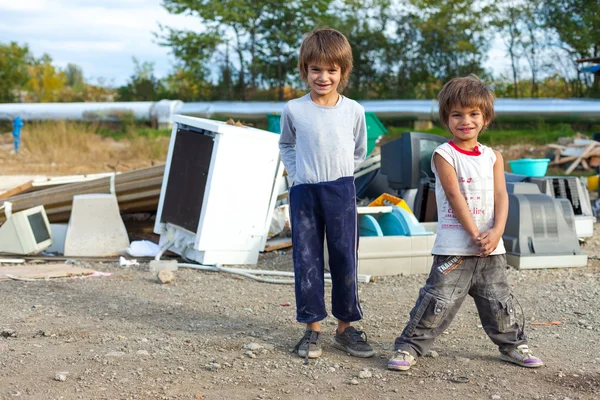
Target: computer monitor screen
(26,232)
(38,227)
(407,160)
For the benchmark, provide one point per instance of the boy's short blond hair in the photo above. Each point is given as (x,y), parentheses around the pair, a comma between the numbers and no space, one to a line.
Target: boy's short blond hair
(468,91)
(329,46)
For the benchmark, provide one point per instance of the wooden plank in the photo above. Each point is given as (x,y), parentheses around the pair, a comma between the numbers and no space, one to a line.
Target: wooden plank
(282,196)
(17,190)
(578,160)
(563,160)
(584,163)
(101,185)
(277,244)
(67,179)
(132,186)
(595,152)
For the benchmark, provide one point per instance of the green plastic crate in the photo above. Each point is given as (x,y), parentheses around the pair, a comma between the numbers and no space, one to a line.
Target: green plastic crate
(375,129)
(273,123)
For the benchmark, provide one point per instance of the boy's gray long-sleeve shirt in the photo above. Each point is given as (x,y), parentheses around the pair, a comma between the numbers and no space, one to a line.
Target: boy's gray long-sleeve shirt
(322,144)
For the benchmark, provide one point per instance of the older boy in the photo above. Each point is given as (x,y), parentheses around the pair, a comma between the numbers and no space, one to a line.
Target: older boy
(323,140)
(469,255)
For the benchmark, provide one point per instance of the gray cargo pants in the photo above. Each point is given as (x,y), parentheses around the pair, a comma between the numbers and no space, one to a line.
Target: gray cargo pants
(450,280)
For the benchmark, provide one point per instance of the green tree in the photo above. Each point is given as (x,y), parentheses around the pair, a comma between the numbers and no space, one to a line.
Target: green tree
(13,70)
(366,24)
(453,36)
(142,85)
(577,24)
(46,82)
(279,37)
(183,84)
(534,42)
(235,22)
(508,22)
(74,75)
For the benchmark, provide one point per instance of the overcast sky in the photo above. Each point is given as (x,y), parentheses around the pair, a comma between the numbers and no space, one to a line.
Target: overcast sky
(102,36)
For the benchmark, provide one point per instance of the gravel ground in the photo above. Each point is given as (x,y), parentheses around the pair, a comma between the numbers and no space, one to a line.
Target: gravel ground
(217,336)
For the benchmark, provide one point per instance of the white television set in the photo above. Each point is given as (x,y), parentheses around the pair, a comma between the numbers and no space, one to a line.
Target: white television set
(26,232)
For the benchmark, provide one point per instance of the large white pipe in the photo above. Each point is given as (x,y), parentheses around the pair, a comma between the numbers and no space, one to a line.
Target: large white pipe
(77,111)
(158,113)
(161,112)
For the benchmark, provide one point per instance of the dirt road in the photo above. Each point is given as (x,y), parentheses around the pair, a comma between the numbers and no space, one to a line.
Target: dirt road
(215,336)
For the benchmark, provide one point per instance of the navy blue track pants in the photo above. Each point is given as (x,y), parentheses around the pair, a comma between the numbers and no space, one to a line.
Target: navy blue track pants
(320,210)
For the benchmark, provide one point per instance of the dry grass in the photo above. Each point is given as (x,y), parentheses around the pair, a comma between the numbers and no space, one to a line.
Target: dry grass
(69,146)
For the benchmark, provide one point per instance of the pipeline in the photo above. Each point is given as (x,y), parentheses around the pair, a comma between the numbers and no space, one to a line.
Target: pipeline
(160,113)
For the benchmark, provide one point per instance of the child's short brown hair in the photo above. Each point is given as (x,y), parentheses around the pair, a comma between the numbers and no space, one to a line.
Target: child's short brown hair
(468,91)
(326,45)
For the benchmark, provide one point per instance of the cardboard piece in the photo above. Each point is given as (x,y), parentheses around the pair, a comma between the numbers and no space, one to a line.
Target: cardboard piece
(42,271)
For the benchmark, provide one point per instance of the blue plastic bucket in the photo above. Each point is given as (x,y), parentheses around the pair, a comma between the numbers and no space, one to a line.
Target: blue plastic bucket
(530,166)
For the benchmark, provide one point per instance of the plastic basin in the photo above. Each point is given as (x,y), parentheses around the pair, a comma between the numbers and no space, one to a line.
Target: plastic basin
(530,166)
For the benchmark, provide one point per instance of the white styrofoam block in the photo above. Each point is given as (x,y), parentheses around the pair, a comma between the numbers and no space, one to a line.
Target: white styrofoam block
(95,227)
(395,255)
(584,225)
(543,262)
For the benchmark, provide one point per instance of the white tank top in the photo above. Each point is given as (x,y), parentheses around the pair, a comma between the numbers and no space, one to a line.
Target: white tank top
(475,172)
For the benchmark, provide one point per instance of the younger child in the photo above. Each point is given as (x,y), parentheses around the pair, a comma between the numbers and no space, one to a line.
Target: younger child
(469,256)
(323,140)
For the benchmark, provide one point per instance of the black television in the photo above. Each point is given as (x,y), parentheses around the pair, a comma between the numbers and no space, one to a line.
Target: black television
(406,161)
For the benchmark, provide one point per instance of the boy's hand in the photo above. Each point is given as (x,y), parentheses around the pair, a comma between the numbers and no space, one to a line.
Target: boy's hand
(488,241)
(475,237)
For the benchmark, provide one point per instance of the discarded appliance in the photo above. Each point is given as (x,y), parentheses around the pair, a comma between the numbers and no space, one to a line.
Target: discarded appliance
(26,232)
(95,227)
(406,162)
(219,191)
(394,221)
(540,232)
(572,189)
(381,255)
(368,179)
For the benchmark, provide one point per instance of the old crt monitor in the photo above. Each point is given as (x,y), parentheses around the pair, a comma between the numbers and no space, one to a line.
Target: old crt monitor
(407,160)
(26,232)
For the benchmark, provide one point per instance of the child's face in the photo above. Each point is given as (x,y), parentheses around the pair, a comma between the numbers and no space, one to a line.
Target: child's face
(323,79)
(465,123)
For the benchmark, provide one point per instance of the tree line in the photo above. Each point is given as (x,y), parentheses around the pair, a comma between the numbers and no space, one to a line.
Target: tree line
(247,50)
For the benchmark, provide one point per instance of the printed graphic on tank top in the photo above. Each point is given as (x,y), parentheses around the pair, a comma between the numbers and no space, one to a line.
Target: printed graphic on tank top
(475,172)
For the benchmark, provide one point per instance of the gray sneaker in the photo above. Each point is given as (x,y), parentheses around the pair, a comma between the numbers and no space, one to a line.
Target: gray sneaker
(308,347)
(521,355)
(401,361)
(352,342)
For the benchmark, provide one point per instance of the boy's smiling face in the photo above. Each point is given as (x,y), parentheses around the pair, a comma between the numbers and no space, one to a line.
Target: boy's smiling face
(465,124)
(324,80)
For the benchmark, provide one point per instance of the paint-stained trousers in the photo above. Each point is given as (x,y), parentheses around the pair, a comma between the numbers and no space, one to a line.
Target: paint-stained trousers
(320,210)
(450,280)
